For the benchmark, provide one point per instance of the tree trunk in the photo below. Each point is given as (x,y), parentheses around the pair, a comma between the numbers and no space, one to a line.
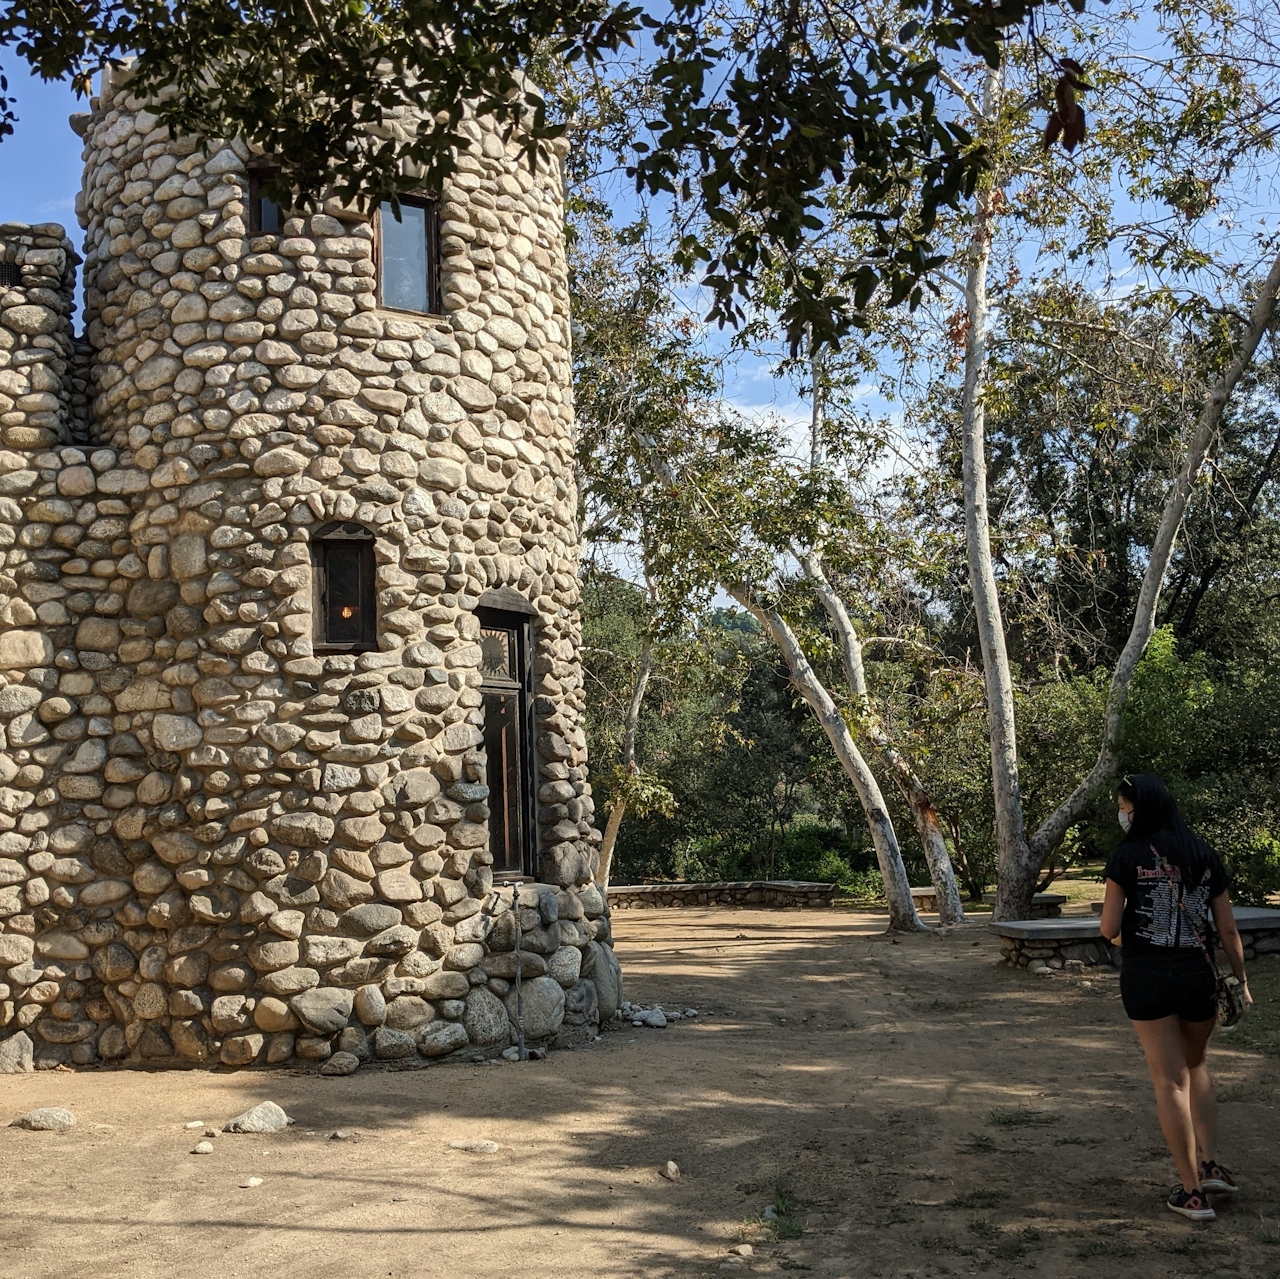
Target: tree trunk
(941,872)
(616,814)
(631,726)
(1050,833)
(1016,878)
(897,887)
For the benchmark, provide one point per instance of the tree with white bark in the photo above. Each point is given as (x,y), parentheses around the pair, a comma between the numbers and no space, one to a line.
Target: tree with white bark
(1180,267)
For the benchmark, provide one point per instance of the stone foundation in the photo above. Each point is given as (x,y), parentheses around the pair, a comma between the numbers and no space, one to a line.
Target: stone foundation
(1055,952)
(778,893)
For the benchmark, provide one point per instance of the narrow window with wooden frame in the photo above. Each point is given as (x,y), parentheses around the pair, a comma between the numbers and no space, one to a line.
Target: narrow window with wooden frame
(265,216)
(505,686)
(409,256)
(344,602)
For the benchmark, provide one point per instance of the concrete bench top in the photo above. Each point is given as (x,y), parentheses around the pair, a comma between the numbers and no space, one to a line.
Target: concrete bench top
(1248,918)
(1048,929)
(681,886)
(1039,899)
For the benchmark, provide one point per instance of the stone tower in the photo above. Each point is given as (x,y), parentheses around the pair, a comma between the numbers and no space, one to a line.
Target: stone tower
(289,675)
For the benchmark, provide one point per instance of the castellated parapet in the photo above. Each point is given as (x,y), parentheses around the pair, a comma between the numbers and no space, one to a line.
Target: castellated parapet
(230,829)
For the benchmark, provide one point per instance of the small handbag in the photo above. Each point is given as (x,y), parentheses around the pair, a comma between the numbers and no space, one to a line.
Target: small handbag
(1226,990)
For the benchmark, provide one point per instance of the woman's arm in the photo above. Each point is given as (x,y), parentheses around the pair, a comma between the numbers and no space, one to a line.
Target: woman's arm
(1112,912)
(1232,946)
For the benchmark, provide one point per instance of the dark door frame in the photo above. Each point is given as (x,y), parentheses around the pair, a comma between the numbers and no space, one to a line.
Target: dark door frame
(522,626)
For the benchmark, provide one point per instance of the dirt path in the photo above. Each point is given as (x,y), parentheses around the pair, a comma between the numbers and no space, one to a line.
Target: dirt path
(927,1112)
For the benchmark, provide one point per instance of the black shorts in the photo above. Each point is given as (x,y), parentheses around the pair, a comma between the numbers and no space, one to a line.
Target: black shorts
(1179,985)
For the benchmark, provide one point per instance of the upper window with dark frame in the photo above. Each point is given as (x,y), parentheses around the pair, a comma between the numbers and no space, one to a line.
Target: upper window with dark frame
(345,607)
(265,216)
(409,256)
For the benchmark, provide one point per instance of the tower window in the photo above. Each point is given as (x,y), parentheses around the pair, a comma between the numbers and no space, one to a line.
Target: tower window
(343,575)
(264,213)
(409,256)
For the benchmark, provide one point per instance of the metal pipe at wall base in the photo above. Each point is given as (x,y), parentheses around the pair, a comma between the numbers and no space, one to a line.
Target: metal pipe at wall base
(515,910)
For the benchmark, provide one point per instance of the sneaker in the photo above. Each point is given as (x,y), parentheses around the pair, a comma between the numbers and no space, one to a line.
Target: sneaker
(1213,1176)
(1191,1203)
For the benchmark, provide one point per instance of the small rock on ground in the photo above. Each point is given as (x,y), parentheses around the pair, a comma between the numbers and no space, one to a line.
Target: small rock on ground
(193,1124)
(670,1170)
(475,1146)
(17,1055)
(45,1119)
(250,1182)
(202,1148)
(341,1064)
(266,1116)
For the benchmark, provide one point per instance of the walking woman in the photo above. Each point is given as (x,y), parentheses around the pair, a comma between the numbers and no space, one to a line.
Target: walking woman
(1163,884)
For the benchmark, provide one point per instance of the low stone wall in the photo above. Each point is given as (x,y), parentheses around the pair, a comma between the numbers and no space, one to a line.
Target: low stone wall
(1036,943)
(1054,946)
(1043,905)
(778,893)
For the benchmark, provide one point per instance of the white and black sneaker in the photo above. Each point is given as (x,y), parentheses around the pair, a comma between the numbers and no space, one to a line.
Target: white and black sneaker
(1191,1203)
(1213,1176)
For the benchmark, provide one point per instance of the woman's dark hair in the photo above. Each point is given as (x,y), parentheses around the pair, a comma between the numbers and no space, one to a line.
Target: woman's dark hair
(1156,820)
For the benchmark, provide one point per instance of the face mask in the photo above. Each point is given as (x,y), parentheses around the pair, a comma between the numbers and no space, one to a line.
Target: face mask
(1126,819)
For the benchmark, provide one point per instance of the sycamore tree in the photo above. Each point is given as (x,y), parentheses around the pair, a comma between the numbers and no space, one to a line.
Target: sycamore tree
(705,500)
(1155,210)
(1155,203)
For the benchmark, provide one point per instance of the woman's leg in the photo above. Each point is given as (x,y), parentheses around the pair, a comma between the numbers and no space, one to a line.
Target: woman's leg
(1161,1041)
(1204,1107)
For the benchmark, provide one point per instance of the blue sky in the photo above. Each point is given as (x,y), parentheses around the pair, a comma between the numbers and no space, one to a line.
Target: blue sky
(40,163)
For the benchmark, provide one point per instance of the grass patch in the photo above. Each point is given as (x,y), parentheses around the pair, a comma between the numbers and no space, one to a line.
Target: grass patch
(937,1243)
(949,1005)
(1111,1247)
(780,1220)
(978,1144)
(1017,1243)
(1077,1141)
(1190,1245)
(1007,1245)
(1022,1118)
(977,1199)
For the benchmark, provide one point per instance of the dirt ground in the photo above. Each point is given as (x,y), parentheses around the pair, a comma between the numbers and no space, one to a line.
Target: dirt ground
(906,1107)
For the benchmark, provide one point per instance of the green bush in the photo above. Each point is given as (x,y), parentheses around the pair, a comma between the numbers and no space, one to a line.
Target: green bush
(825,853)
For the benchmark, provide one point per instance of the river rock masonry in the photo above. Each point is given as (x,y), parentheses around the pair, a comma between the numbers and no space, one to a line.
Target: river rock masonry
(290,688)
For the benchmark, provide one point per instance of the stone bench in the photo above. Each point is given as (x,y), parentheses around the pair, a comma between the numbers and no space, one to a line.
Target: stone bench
(1043,905)
(1055,941)
(778,893)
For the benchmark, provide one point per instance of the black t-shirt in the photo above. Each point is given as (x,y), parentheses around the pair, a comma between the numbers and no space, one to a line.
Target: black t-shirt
(1154,897)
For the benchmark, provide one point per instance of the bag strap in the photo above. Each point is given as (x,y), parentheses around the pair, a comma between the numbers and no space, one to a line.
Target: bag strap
(1182,906)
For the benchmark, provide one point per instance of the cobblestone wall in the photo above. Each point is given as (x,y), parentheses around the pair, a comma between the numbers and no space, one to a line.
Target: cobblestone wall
(215,843)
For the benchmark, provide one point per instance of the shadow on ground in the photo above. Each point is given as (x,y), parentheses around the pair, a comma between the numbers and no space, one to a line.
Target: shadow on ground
(928,1111)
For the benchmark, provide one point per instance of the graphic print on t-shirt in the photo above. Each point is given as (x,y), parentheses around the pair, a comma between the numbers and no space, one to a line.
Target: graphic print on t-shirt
(1159,917)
